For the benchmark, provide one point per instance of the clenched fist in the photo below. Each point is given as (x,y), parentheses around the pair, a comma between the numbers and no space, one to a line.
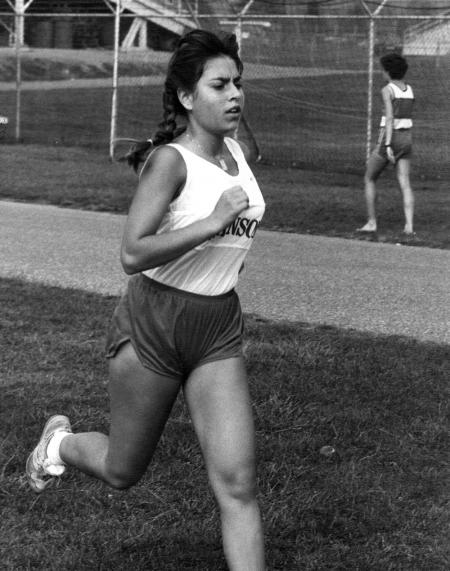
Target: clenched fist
(231,203)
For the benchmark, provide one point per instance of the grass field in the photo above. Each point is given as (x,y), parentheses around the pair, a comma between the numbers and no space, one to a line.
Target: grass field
(297,200)
(316,122)
(380,502)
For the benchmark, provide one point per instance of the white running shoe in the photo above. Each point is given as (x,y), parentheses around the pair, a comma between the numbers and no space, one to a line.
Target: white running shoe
(40,472)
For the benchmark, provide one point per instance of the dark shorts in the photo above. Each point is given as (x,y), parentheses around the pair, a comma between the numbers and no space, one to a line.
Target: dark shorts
(174,331)
(401,145)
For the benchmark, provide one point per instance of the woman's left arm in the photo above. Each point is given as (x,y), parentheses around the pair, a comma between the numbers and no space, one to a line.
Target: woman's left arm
(389,115)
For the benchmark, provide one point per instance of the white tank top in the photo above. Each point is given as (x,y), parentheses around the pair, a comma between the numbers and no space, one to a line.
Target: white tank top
(211,268)
(402,104)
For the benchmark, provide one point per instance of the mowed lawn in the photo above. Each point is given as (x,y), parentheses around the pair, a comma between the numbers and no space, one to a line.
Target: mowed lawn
(308,202)
(379,502)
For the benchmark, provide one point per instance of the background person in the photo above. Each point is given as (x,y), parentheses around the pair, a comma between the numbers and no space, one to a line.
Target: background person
(394,142)
(179,325)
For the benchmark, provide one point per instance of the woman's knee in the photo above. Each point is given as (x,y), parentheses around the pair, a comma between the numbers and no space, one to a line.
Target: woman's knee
(121,479)
(374,168)
(406,190)
(368,179)
(236,484)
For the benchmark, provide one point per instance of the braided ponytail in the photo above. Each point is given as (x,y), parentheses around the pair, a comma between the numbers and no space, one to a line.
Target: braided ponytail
(185,68)
(137,153)
(168,129)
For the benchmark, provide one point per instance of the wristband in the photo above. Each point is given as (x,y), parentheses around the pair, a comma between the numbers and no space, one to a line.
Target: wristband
(388,145)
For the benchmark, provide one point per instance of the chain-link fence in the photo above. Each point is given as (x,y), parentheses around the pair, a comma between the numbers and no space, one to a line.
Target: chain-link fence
(82,76)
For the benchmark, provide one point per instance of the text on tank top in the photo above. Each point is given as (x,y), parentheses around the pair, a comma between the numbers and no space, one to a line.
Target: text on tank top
(211,268)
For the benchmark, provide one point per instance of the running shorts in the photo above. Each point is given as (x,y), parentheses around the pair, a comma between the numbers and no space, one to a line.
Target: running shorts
(174,331)
(401,145)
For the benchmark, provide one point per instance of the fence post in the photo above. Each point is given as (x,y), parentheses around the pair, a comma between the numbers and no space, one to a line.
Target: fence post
(114,102)
(19,11)
(370,72)
(370,87)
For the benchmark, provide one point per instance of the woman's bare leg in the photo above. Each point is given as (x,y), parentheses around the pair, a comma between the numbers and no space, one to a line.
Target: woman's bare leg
(219,403)
(375,166)
(140,402)
(402,171)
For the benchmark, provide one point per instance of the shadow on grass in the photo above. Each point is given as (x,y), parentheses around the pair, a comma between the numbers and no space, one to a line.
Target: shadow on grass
(377,502)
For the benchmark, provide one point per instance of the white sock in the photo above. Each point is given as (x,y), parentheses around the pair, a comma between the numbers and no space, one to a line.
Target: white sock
(53,448)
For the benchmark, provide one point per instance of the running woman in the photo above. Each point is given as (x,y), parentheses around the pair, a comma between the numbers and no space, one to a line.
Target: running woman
(394,141)
(179,325)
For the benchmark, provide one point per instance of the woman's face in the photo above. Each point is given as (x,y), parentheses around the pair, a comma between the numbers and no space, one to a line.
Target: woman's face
(217,102)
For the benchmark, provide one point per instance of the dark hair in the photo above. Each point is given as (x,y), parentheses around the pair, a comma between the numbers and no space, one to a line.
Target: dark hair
(185,68)
(395,65)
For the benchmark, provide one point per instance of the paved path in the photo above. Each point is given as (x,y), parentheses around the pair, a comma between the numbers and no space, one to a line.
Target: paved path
(380,288)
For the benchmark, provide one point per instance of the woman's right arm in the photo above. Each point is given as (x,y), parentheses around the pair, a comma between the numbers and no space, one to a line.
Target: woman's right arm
(161,179)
